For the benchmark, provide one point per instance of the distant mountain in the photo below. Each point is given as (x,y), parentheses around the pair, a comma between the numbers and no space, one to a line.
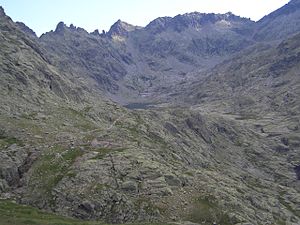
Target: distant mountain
(135,64)
(198,21)
(120,29)
(258,80)
(129,60)
(198,34)
(279,24)
(75,51)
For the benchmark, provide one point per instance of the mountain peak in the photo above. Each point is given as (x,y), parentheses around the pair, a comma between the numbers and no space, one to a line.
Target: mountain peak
(60,27)
(205,18)
(120,28)
(195,20)
(280,23)
(2,13)
(26,29)
(158,24)
(287,9)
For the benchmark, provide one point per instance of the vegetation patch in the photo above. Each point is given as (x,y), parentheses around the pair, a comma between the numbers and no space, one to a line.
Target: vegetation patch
(189,173)
(15,214)
(206,211)
(247,116)
(288,206)
(100,187)
(29,116)
(145,204)
(102,152)
(51,168)
(6,140)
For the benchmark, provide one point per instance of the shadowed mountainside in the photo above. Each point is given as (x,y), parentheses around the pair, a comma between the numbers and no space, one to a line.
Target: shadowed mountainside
(280,23)
(129,62)
(259,80)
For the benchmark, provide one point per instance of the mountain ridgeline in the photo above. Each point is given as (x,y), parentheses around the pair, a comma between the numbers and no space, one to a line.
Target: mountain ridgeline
(131,62)
(209,132)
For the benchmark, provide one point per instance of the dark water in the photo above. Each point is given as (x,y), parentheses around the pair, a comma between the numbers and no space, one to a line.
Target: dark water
(139,105)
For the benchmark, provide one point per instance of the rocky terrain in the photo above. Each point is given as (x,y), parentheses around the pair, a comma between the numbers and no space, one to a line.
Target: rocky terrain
(209,131)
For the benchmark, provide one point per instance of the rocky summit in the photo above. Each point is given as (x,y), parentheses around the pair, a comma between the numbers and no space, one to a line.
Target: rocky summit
(189,120)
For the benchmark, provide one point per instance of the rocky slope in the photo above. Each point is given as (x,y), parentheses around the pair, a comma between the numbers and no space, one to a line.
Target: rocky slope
(78,53)
(223,147)
(262,79)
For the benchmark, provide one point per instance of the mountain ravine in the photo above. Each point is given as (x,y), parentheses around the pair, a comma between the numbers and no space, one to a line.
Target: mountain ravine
(190,120)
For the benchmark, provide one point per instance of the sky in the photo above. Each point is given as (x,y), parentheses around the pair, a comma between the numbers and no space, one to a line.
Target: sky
(43,15)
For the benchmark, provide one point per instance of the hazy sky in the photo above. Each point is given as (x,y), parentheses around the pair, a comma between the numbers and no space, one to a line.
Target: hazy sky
(43,15)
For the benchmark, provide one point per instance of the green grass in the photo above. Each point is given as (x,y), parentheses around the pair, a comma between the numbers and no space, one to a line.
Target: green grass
(146,204)
(100,187)
(6,141)
(189,173)
(51,168)
(280,222)
(102,152)
(206,211)
(29,116)
(288,207)
(15,214)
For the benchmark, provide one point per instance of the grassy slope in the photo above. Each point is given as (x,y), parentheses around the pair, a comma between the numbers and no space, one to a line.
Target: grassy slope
(15,214)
